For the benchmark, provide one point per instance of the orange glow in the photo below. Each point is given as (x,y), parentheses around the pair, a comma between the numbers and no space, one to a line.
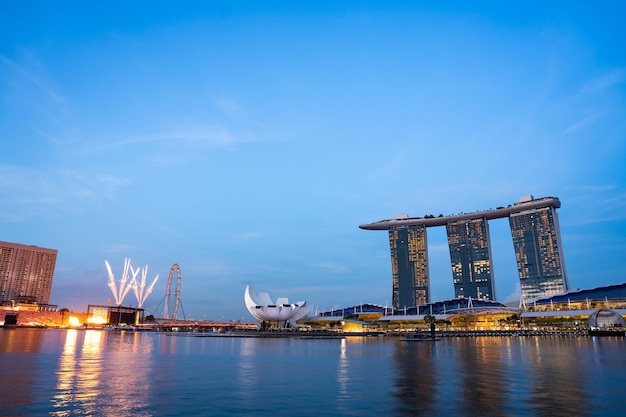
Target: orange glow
(96,320)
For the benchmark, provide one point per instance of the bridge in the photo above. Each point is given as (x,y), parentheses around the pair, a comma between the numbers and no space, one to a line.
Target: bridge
(200,325)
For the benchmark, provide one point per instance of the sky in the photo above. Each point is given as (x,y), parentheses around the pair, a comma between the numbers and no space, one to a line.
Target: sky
(247,141)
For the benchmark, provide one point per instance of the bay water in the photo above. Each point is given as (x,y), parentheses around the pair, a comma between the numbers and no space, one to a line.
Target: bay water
(112,373)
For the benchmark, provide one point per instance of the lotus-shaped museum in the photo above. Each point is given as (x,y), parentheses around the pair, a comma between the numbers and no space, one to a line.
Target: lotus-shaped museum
(263,308)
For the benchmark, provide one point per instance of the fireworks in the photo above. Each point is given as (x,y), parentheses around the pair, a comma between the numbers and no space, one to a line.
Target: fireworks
(139,288)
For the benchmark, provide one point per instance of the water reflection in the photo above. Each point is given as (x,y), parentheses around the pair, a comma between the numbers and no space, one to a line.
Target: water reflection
(79,372)
(417,381)
(343,376)
(495,377)
(17,351)
(559,383)
(82,388)
(483,379)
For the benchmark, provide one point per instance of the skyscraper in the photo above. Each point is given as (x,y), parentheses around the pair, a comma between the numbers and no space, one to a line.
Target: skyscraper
(26,273)
(538,251)
(536,238)
(470,256)
(409,266)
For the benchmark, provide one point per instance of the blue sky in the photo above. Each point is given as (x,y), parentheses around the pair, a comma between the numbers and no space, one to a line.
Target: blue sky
(247,141)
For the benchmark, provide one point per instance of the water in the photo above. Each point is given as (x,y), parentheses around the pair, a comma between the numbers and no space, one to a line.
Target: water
(105,373)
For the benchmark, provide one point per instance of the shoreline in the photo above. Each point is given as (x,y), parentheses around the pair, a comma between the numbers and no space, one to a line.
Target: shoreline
(322,334)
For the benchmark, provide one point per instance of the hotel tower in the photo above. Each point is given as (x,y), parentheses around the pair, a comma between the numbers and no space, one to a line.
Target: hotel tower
(26,273)
(536,239)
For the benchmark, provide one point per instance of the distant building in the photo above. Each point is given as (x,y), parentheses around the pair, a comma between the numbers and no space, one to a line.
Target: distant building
(26,273)
(536,238)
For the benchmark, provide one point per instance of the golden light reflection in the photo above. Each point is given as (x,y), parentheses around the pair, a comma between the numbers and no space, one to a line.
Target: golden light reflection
(78,374)
(343,376)
(94,365)
(66,374)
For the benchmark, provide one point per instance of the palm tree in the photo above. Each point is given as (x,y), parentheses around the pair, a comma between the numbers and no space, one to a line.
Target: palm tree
(63,312)
(430,320)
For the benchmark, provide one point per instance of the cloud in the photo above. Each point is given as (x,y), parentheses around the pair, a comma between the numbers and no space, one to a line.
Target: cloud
(608,204)
(613,77)
(32,190)
(118,248)
(198,137)
(333,267)
(34,73)
(11,218)
(597,188)
(585,121)
(248,236)
(229,107)
(515,296)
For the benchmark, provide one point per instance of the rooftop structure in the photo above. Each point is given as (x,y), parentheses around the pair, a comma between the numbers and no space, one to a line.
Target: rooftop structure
(441,220)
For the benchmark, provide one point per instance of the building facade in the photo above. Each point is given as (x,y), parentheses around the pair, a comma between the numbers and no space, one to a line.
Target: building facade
(470,256)
(536,238)
(26,273)
(538,252)
(409,266)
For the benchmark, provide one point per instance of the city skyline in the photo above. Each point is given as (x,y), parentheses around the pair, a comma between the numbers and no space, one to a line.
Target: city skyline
(246,142)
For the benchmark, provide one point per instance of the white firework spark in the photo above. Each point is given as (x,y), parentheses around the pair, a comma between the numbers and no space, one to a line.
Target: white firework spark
(119,293)
(141,292)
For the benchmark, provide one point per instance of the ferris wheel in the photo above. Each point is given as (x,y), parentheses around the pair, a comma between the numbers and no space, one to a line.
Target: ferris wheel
(176,268)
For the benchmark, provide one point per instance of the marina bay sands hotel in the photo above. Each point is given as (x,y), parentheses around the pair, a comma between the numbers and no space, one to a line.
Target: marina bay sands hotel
(536,240)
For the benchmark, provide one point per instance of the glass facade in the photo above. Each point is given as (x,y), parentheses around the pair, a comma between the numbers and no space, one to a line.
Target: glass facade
(470,257)
(538,251)
(409,266)
(26,273)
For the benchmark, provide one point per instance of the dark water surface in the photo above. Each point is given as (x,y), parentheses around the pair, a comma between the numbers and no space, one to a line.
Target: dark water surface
(106,373)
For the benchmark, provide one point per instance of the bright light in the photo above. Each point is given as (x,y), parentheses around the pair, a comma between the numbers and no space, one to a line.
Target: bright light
(96,320)
(74,321)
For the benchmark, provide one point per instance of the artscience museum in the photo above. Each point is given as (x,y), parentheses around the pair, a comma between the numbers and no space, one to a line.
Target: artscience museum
(263,308)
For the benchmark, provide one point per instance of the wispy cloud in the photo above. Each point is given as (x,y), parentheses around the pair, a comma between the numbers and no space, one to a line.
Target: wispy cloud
(600,203)
(332,267)
(585,121)
(199,137)
(30,190)
(118,248)
(597,188)
(33,72)
(613,77)
(229,107)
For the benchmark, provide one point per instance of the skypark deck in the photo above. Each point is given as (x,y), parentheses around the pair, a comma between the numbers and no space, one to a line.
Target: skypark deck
(491,214)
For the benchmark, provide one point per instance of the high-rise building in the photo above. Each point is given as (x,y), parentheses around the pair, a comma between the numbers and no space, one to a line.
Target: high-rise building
(536,238)
(538,251)
(470,256)
(26,273)
(409,266)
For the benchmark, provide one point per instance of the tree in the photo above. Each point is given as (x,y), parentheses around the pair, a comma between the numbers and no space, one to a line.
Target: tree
(63,312)
(430,320)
